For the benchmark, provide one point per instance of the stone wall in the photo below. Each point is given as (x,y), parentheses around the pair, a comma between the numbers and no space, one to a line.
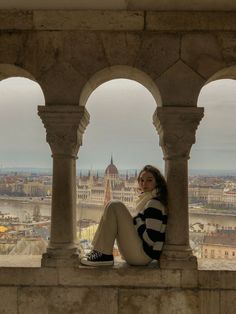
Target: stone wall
(122,289)
(63,50)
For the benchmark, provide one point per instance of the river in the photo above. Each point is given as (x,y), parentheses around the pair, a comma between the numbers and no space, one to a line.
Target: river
(24,208)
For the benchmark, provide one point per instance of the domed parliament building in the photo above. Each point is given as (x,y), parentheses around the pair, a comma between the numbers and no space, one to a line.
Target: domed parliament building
(95,190)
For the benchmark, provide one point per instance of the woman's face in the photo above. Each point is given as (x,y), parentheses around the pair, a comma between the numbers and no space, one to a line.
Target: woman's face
(147,181)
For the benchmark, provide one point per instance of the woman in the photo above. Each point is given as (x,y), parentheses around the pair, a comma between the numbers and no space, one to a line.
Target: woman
(140,239)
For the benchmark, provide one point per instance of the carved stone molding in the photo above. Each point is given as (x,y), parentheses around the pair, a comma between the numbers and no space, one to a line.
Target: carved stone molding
(176,127)
(65,126)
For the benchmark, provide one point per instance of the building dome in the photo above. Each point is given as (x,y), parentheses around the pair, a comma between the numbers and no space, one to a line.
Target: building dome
(111,169)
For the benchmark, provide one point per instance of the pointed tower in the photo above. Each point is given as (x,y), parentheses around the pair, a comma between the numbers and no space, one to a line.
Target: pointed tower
(108,192)
(111,174)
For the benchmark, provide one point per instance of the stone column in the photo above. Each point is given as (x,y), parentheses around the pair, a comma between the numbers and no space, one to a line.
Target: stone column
(64,126)
(176,127)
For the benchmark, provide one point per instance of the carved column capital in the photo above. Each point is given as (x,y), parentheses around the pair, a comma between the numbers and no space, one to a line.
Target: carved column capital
(176,127)
(65,126)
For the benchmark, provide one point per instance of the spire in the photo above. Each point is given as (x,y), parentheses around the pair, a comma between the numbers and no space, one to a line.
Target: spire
(111,159)
(108,192)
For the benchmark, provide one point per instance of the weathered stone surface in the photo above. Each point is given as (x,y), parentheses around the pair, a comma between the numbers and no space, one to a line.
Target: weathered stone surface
(226,73)
(227,42)
(190,21)
(141,290)
(209,302)
(209,279)
(180,85)
(16,19)
(157,53)
(61,84)
(55,300)
(84,51)
(170,5)
(115,20)
(149,301)
(189,278)
(121,48)
(9,70)
(11,47)
(227,302)
(202,53)
(16,276)
(8,297)
(42,50)
(227,279)
(88,20)
(121,276)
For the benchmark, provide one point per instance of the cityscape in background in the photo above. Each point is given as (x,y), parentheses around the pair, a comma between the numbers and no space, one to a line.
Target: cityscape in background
(25,204)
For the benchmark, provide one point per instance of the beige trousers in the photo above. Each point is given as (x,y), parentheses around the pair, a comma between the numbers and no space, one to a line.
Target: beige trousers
(117,224)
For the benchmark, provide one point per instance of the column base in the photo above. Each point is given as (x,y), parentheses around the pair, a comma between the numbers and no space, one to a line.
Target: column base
(60,258)
(178,257)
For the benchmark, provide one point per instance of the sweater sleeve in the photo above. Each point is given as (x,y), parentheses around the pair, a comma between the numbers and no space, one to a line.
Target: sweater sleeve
(150,225)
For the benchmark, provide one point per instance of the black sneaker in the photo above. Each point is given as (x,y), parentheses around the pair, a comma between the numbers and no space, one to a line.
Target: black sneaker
(95,258)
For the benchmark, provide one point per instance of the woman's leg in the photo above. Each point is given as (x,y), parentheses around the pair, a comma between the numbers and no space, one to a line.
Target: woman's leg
(105,235)
(117,223)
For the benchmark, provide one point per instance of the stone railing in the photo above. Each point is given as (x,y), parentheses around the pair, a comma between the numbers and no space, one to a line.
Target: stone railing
(119,289)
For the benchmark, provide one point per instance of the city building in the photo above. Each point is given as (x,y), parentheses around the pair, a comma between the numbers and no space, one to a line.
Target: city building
(215,192)
(98,191)
(219,245)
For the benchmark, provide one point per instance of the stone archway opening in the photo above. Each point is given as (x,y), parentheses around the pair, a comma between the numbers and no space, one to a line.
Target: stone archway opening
(24,169)
(121,113)
(212,182)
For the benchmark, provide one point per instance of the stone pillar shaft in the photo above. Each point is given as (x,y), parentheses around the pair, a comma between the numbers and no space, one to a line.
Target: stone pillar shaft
(177,178)
(177,127)
(63,203)
(65,126)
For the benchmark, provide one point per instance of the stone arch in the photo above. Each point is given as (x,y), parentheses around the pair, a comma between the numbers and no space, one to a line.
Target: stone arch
(225,73)
(10,70)
(116,72)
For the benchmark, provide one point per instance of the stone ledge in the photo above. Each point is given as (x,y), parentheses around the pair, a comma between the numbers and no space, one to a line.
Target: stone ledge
(191,21)
(83,20)
(121,275)
(16,20)
(26,271)
(91,20)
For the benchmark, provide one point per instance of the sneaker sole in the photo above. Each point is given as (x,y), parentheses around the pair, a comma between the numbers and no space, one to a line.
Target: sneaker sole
(91,263)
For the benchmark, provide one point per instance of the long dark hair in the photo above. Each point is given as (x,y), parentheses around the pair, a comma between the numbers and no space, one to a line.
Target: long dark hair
(162,192)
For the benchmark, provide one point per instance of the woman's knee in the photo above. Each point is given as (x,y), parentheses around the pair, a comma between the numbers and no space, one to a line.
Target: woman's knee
(114,205)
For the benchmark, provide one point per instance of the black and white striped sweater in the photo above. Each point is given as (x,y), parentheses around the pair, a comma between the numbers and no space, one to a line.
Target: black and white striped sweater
(150,224)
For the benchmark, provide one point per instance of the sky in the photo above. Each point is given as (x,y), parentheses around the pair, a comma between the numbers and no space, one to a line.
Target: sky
(120,125)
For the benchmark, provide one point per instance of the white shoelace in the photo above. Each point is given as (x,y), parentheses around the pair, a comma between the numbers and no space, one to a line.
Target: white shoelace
(94,255)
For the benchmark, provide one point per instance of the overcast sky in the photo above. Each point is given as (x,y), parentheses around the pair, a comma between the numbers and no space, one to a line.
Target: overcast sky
(120,124)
